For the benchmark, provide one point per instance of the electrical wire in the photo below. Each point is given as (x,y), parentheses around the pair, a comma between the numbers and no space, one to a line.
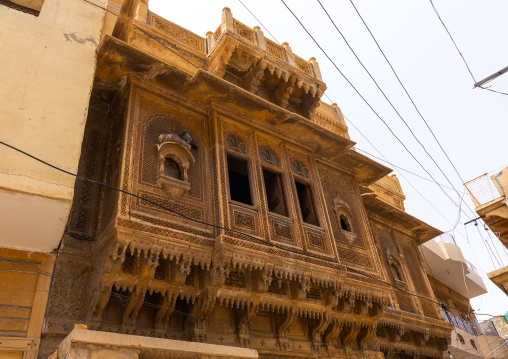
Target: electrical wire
(489,89)
(454,43)
(401,174)
(366,102)
(388,100)
(123,299)
(358,272)
(405,90)
(401,168)
(487,245)
(260,23)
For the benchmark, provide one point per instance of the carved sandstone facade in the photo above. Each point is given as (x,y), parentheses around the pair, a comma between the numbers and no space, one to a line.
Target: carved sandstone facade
(271,238)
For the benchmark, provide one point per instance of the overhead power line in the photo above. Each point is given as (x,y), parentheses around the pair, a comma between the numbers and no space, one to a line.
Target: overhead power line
(385,159)
(369,105)
(401,168)
(392,105)
(260,23)
(454,43)
(124,299)
(405,90)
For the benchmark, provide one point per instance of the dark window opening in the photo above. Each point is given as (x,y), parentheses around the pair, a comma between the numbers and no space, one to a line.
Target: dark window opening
(29,9)
(306,204)
(344,224)
(274,193)
(239,187)
(172,169)
(396,273)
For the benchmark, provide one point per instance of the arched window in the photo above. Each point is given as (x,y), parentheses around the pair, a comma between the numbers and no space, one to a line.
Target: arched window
(274,186)
(172,168)
(299,169)
(235,143)
(268,156)
(304,193)
(175,158)
(344,218)
(238,170)
(344,223)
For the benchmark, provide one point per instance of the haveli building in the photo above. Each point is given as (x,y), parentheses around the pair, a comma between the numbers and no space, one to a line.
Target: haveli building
(277,239)
(455,281)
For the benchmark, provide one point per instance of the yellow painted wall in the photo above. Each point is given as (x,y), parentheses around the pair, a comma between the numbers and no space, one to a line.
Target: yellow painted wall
(46,71)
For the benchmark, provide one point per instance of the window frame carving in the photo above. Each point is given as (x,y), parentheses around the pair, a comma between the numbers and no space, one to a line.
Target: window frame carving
(236,146)
(236,153)
(342,209)
(304,179)
(172,146)
(276,169)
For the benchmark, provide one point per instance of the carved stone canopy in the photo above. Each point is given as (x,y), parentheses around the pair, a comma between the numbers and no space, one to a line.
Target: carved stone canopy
(173,150)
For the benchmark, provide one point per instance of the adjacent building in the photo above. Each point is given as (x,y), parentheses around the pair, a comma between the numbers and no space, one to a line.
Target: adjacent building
(455,281)
(488,194)
(48,55)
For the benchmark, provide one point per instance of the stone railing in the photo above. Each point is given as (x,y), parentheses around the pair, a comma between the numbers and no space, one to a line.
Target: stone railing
(177,33)
(254,36)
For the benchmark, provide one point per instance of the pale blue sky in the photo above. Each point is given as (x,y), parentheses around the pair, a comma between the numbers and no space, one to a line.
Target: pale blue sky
(470,124)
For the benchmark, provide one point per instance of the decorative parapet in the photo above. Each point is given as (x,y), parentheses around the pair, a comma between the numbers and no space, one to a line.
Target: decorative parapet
(389,190)
(330,117)
(254,63)
(180,36)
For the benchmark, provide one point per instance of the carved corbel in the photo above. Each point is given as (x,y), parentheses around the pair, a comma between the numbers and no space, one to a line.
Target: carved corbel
(346,304)
(443,343)
(349,334)
(144,277)
(261,279)
(395,334)
(366,334)
(317,332)
(184,265)
(107,269)
(330,297)
(131,310)
(99,302)
(178,271)
(283,329)
(161,320)
(255,76)
(195,324)
(245,318)
(220,60)
(283,91)
(299,289)
(363,308)
(242,59)
(332,334)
